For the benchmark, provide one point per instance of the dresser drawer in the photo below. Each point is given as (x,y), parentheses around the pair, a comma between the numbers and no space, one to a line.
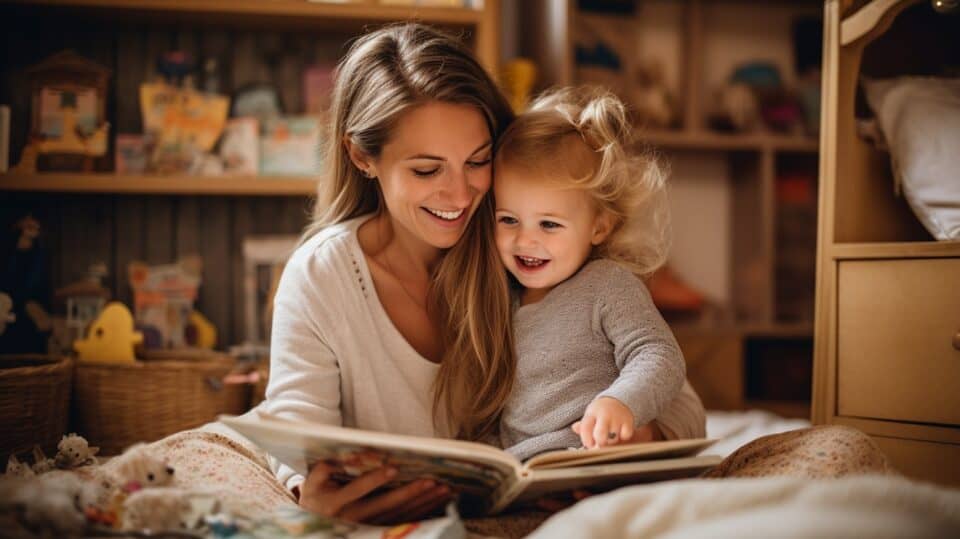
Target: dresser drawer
(927,461)
(896,325)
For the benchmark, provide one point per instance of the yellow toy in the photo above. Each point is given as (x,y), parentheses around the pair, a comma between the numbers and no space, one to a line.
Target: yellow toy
(519,76)
(206,331)
(111,337)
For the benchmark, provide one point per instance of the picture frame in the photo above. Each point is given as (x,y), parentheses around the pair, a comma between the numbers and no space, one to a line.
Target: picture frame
(264,258)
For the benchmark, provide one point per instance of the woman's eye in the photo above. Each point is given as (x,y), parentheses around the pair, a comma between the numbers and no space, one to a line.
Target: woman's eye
(425,173)
(550,225)
(479,164)
(507,220)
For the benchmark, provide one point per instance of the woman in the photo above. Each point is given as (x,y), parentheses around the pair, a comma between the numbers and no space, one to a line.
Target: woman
(393,314)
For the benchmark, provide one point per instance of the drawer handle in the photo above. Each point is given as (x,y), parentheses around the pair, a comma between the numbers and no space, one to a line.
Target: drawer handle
(956,340)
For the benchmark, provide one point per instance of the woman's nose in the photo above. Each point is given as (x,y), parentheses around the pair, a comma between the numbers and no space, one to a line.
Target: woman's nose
(459,191)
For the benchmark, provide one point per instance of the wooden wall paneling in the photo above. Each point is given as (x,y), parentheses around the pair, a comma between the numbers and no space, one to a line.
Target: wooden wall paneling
(186,223)
(129,241)
(247,221)
(247,61)
(693,68)
(752,272)
(158,230)
(157,42)
(86,236)
(215,300)
(130,72)
(287,72)
(294,214)
(216,44)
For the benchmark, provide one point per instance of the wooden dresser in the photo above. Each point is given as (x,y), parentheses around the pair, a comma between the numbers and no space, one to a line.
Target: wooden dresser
(887,331)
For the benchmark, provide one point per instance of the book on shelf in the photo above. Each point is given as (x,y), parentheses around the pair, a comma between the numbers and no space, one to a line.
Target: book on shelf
(485,479)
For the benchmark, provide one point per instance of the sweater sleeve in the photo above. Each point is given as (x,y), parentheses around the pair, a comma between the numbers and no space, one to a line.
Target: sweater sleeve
(684,417)
(304,380)
(652,369)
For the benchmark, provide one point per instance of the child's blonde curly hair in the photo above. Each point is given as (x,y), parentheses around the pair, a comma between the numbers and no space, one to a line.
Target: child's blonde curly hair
(583,137)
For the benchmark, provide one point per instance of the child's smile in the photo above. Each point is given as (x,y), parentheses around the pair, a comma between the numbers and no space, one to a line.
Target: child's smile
(545,231)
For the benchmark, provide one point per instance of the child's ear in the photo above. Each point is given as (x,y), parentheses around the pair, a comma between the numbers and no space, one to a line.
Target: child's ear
(603,224)
(359,158)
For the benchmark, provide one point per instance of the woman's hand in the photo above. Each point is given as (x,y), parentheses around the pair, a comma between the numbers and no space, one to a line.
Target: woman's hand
(606,421)
(319,494)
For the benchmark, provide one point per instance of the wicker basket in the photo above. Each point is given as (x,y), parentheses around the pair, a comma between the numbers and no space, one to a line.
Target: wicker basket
(34,402)
(118,405)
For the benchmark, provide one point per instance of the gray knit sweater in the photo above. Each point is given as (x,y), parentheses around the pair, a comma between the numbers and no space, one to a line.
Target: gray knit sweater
(597,334)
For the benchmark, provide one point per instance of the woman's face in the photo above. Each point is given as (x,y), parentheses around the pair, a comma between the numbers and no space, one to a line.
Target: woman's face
(434,170)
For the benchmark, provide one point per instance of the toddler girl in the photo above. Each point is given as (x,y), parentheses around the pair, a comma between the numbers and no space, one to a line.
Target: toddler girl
(579,216)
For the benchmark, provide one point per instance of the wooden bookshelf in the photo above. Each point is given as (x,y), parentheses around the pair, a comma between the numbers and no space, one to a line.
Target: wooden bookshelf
(480,26)
(65,182)
(711,141)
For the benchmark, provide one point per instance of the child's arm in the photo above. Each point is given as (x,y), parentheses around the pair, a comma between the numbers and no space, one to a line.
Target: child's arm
(652,369)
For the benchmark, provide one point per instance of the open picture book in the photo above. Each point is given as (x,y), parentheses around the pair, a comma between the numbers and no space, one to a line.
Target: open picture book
(486,479)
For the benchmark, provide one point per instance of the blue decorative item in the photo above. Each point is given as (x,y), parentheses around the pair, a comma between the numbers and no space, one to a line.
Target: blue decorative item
(600,55)
(759,75)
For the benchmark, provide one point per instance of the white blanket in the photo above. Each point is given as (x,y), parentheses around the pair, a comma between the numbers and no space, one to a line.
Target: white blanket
(733,430)
(782,507)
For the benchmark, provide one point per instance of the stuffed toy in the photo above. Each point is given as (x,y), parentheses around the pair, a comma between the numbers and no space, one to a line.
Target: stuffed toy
(73,452)
(15,468)
(42,464)
(167,508)
(50,505)
(138,468)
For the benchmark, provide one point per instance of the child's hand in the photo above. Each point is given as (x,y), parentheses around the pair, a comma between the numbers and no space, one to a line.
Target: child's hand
(607,421)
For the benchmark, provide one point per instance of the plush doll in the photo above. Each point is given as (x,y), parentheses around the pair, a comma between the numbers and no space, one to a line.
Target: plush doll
(15,468)
(111,337)
(42,464)
(138,468)
(50,505)
(73,451)
(161,508)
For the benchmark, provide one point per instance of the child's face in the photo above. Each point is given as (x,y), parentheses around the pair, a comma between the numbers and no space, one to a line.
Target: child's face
(545,232)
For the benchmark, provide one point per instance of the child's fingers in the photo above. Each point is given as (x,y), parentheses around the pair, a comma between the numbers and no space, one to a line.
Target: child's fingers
(601,432)
(586,431)
(626,432)
(575,427)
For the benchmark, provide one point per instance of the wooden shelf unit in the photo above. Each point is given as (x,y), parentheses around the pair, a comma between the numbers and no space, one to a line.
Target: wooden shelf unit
(754,161)
(887,348)
(144,184)
(114,219)
(482,25)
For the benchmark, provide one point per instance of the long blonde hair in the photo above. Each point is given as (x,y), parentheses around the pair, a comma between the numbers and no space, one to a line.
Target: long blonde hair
(385,74)
(583,138)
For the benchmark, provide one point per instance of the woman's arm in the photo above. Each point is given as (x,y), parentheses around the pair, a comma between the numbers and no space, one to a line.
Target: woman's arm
(305,385)
(304,380)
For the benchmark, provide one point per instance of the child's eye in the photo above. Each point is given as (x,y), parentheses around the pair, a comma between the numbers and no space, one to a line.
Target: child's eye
(420,173)
(550,225)
(507,220)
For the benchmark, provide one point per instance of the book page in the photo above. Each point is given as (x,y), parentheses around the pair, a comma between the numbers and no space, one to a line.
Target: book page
(479,473)
(605,477)
(617,453)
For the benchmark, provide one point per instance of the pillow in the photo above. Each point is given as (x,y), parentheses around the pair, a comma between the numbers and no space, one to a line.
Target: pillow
(920,120)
